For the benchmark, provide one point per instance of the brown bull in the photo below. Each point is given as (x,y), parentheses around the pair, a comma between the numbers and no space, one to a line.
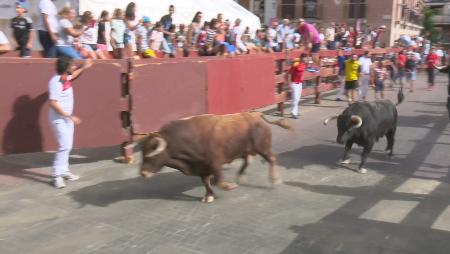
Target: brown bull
(200,145)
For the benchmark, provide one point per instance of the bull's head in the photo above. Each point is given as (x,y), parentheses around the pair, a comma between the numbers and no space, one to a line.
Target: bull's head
(347,126)
(154,155)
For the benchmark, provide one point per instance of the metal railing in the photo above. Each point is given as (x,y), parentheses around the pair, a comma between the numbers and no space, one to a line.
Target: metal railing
(441,19)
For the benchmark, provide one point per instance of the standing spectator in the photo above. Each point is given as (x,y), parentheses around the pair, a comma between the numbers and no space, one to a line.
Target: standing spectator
(379,76)
(67,33)
(410,68)
(131,24)
(103,33)
(310,36)
(366,65)
(22,29)
(401,62)
(297,69)
(432,61)
(352,69)
(157,37)
(142,33)
(378,35)
(341,64)
(4,43)
(48,27)
(284,32)
(61,118)
(167,22)
(193,32)
(117,33)
(330,36)
(237,36)
(181,36)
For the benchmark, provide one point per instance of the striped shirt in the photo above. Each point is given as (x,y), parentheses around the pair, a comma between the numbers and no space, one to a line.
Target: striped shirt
(210,36)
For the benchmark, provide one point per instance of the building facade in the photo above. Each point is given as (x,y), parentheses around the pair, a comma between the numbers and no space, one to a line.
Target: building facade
(441,19)
(399,16)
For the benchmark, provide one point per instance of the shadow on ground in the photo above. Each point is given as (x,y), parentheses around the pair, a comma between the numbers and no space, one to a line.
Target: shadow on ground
(167,186)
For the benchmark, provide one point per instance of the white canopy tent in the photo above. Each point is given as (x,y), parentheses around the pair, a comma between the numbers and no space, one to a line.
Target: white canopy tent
(184,10)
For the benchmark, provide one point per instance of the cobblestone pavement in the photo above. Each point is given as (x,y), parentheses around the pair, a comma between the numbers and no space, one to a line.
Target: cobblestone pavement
(400,206)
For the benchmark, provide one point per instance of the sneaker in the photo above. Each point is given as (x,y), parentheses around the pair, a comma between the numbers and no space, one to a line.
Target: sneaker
(338,99)
(71,177)
(58,182)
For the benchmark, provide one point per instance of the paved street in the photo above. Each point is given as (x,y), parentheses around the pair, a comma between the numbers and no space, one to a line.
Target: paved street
(401,205)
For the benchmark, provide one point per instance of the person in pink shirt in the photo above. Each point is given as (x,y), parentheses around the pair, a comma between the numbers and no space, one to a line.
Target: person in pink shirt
(310,36)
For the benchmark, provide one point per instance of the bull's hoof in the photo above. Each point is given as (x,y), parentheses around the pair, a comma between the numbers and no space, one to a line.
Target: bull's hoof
(227,186)
(347,161)
(208,199)
(125,160)
(241,179)
(362,171)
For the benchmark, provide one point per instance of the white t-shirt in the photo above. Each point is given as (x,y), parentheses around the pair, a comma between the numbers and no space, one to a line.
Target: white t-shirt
(49,8)
(3,39)
(272,33)
(64,38)
(63,96)
(156,38)
(90,36)
(365,64)
(237,31)
(142,32)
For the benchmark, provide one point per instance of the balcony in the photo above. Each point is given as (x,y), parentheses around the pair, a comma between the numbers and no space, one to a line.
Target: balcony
(441,19)
(436,3)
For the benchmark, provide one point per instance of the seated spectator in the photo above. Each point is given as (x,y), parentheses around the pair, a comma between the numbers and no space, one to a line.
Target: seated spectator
(142,35)
(157,37)
(181,36)
(4,43)
(67,33)
(117,33)
(103,32)
(89,37)
(22,29)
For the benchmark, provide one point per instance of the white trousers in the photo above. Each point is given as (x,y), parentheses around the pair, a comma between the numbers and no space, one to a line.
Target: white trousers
(296,95)
(63,131)
(363,86)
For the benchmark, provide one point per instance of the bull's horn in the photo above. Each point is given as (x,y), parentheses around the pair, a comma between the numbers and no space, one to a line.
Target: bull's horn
(334,117)
(358,121)
(162,145)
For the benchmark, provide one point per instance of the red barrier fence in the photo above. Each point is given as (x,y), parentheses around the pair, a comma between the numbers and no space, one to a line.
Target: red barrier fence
(117,99)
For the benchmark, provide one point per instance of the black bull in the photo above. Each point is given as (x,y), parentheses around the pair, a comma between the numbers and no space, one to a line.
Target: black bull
(364,123)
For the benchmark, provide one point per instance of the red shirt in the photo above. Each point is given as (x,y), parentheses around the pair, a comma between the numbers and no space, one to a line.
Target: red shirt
(401,60)
(297,73)
(432,60)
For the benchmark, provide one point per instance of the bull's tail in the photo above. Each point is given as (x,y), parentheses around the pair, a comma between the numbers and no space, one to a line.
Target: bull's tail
(400,96)
(283,122)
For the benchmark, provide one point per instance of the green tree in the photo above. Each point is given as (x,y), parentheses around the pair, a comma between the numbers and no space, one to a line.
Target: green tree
(429,29)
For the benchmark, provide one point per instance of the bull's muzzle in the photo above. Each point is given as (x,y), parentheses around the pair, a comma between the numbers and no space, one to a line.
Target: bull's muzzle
(146,174)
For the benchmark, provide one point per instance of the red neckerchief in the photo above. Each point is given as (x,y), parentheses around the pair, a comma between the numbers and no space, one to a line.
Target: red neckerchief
(66,84)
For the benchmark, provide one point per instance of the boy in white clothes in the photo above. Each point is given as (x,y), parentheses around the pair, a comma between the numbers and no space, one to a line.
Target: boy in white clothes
(61,118)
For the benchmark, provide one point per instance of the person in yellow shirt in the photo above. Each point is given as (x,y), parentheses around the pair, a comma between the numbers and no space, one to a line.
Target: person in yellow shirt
(352,69)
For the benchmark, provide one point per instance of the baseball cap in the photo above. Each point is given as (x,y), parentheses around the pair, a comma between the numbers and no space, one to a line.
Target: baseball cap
(146,19)
(22,4)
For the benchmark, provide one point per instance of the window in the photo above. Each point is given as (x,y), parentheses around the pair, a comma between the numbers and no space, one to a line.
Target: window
(357,9)
(288,9)
(310,9)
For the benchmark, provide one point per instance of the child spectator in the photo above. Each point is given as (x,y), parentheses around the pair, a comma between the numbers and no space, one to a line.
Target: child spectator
(117,33)
(66,34)
(157,37)
(61,118)
(181,36)
(142,33)
(4,43)
(102,33)
(22,29)
(380,74)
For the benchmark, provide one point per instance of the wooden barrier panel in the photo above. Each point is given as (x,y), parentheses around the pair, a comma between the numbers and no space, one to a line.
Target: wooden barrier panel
(24,109)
